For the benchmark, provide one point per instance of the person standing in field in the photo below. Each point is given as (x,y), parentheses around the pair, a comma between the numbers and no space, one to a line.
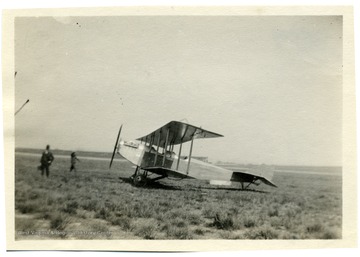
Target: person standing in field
(46,159)
(74,159)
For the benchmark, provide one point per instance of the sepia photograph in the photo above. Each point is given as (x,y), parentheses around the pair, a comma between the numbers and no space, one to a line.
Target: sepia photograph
(179,126)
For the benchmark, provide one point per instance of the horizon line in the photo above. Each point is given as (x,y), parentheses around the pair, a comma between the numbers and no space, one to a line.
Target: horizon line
(225,162)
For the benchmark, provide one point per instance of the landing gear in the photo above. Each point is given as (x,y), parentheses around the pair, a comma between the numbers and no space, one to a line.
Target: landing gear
(139,178)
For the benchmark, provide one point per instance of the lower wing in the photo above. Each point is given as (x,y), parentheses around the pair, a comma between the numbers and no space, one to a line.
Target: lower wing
(166,172)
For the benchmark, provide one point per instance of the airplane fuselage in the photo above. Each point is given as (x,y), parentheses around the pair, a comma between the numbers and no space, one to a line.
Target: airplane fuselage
(166,163)
(143,156)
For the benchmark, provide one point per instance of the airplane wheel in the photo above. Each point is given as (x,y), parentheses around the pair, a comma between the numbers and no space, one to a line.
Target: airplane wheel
(139,180)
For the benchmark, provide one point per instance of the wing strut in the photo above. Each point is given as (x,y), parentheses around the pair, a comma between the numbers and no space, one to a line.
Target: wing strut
(179,156)
(191,147)
(157,149)
(177,166)
(166,144)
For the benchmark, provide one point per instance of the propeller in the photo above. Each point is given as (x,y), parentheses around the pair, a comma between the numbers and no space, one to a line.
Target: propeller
(116,144)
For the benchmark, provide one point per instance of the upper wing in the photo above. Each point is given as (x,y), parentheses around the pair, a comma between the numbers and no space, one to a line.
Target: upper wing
(177,132)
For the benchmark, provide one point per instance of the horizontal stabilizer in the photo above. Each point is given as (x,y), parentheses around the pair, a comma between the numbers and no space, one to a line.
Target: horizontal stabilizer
(249,178)
(263,173)
(267,182)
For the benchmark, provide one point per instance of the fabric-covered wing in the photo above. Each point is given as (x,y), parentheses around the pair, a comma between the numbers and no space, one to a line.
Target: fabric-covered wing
(177,132)
(166,172)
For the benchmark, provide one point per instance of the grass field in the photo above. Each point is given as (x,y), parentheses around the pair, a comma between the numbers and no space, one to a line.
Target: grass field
(98,203)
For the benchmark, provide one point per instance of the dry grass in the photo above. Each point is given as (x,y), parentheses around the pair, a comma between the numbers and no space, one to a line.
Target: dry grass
(96,204)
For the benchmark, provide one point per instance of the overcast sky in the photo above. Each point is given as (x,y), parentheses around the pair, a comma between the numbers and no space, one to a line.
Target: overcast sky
(271,85)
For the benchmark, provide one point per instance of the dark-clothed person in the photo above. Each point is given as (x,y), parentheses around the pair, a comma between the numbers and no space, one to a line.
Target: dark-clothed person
(74,159)
(46,159)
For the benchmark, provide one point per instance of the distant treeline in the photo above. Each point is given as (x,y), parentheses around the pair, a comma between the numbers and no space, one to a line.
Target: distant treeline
(335,169)
(109,154)
(67,152)
(310,168)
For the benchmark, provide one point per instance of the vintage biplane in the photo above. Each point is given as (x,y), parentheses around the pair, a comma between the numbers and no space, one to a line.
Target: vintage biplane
(154,154)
